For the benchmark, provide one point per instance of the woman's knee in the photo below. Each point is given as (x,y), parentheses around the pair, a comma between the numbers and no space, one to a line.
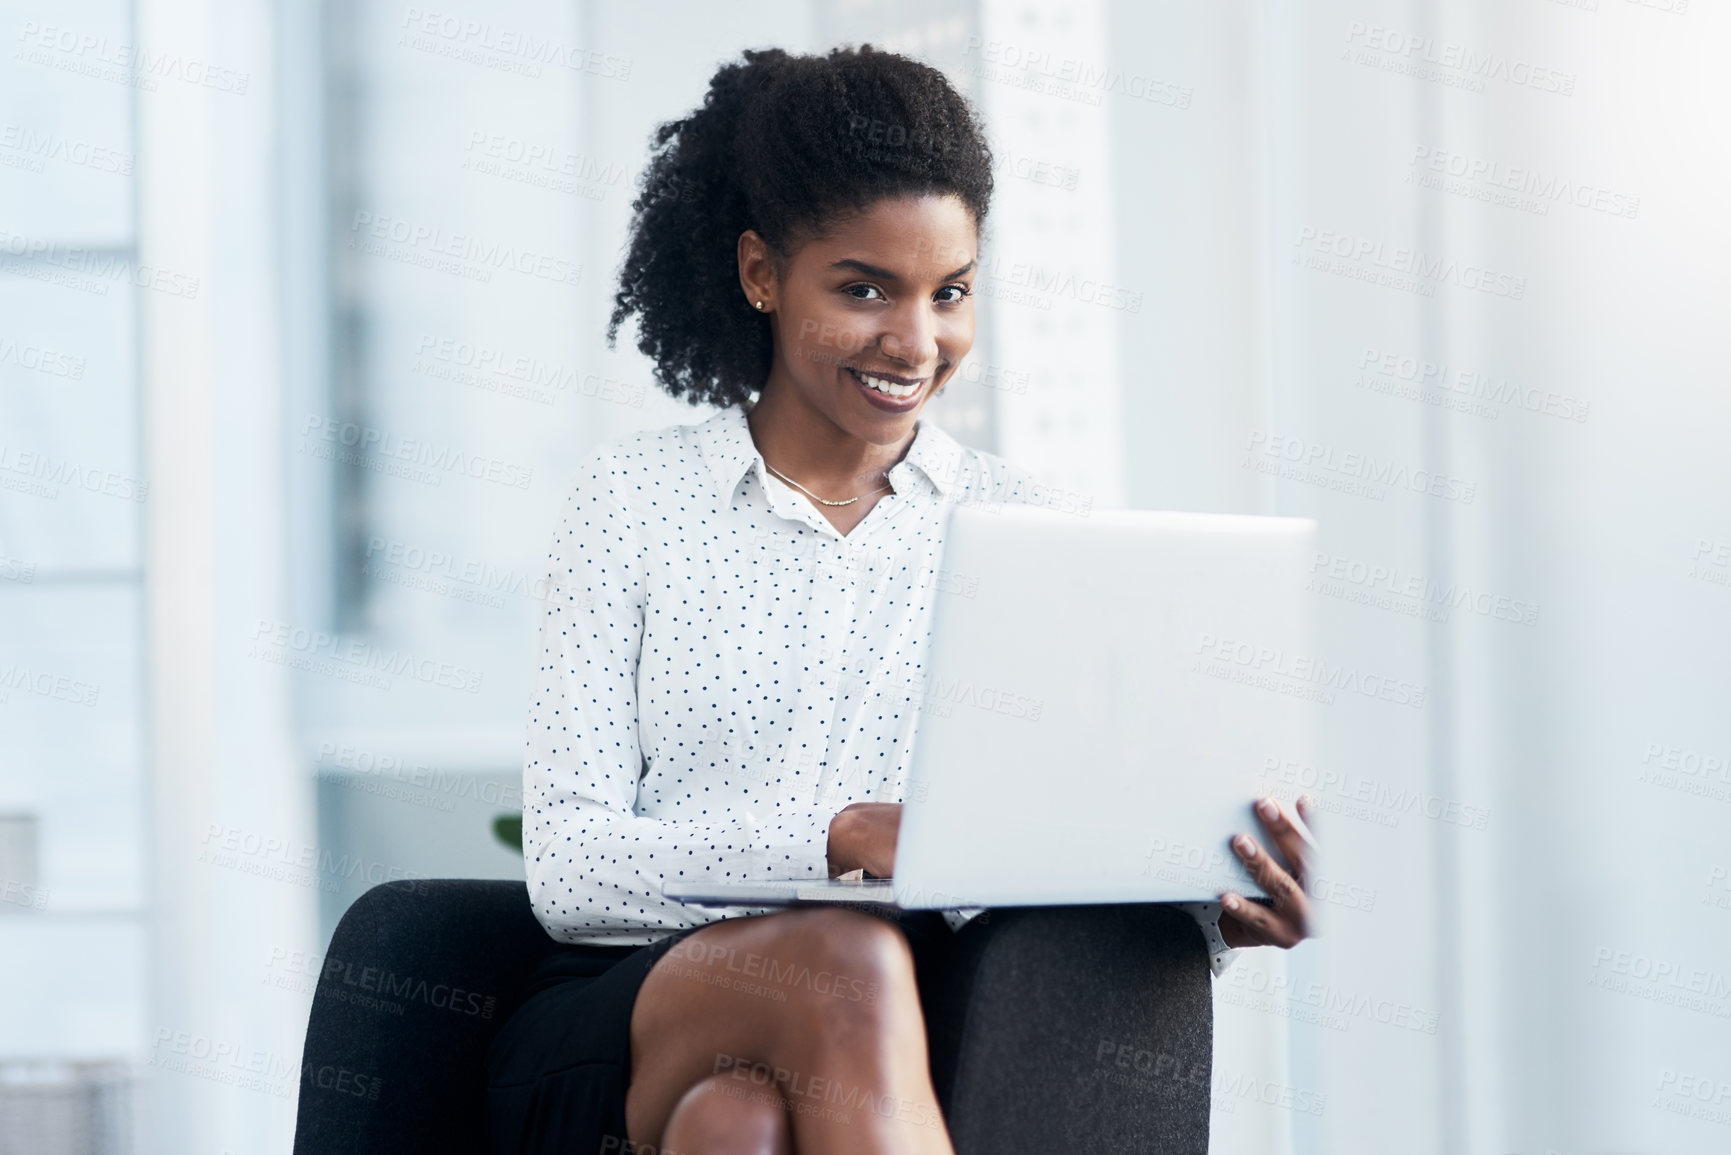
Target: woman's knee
(840,962)
(816,975)
(846,975)
(861,951)
(727,1115)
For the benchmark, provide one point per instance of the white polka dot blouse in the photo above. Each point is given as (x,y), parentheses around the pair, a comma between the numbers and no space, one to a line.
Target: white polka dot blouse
(721,671)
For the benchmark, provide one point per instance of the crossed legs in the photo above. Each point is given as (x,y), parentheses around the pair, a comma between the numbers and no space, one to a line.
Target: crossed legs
(793,1031)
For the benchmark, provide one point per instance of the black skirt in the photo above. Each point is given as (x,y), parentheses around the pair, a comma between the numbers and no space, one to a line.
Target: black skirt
(559,1067)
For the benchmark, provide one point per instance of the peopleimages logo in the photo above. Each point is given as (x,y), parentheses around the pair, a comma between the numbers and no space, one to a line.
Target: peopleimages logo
(321,652)
(41,146)
(225,1062)
(1447,62)
(42,474)
(1467,383)
(939,696)
(41,359)
(371,447)
(1319,1003)
(1368,259)
(1687,771)
(502,47)
(1368,799)
(274,857)
(436,248)
(60,687)
(1070,77)
(543,157)
(102,267)
(1487,179)
(1387,587)
(1694,1096)
(485,580)
(1661,980)
(1300,675)
(88,54)
(1041,285)
(389,985)
(1360,474)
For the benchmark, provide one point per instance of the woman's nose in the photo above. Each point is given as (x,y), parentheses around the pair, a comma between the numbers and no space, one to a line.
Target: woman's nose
(913,341)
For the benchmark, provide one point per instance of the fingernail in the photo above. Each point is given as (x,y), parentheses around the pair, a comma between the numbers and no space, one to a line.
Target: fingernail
(1244,845)
(1229,901)
(1268,809)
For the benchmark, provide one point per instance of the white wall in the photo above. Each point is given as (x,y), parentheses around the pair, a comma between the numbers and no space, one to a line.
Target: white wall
(73,947)
(1505,936)
(230,813)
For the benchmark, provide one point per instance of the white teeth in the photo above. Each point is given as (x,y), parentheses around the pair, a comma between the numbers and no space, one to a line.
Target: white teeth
(888,387)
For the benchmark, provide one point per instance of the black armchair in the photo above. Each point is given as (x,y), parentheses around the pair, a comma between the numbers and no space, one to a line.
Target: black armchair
(1059,1029)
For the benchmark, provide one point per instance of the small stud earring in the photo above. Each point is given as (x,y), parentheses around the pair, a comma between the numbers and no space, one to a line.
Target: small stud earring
(760,306)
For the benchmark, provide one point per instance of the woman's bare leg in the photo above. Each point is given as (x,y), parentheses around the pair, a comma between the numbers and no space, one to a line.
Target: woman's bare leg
(715,1118)
(819,1006)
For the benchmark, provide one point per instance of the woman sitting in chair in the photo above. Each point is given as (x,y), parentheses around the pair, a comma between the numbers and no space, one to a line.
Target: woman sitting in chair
(735,613)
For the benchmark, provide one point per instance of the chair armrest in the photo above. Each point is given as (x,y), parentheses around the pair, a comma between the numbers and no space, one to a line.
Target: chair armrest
(419,977)
(1080,1028)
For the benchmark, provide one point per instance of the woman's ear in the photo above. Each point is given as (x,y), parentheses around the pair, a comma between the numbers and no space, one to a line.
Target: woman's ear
(757,272)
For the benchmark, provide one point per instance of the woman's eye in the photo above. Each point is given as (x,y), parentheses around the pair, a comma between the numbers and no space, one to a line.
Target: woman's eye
(863,292)
(957,293)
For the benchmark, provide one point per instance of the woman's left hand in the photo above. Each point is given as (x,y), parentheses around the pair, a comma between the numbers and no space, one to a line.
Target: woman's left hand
(1286,923)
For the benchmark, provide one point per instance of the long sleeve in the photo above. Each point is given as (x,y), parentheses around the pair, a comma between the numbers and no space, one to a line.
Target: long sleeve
(595,865)
(1207,916)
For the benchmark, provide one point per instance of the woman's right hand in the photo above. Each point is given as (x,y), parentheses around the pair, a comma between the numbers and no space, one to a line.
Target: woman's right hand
(1285,922)
(863,836)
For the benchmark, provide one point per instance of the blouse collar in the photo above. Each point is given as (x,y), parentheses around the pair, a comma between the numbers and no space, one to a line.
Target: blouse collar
(729,452)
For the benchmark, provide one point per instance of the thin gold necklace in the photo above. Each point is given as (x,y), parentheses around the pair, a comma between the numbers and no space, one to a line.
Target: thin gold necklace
(815,497)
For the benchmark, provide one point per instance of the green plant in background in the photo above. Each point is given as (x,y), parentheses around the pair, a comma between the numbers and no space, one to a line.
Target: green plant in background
(508,829)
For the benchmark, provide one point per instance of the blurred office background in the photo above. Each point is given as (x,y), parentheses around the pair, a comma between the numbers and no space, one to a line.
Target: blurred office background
(301,333)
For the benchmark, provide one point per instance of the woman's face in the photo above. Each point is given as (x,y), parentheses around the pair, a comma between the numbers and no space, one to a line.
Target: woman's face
(872,319)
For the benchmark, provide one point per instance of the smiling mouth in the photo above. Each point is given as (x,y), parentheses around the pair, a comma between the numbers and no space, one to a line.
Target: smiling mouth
(891,385)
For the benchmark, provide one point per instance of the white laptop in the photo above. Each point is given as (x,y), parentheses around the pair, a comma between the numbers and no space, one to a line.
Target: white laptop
(1105,693)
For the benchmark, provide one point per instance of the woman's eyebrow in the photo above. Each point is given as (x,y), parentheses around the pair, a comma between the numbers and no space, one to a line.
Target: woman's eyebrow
(862,267)
(885,274)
